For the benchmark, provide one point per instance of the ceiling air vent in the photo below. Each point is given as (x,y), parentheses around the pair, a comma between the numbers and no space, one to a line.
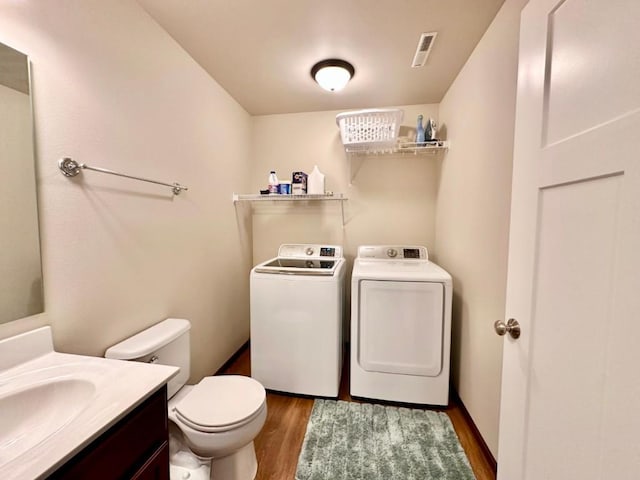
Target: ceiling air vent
(424,48)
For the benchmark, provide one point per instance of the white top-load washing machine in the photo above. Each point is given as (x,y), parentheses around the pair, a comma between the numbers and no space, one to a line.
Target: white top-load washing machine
(296,320)
(400,326)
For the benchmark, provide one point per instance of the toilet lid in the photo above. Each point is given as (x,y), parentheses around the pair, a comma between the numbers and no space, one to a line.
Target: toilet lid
(219,403)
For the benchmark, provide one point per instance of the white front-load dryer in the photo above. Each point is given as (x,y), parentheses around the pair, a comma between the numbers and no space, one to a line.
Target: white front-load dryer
(400,326)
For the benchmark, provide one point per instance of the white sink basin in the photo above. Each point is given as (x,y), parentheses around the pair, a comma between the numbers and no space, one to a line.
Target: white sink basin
(52,405)
(33,412)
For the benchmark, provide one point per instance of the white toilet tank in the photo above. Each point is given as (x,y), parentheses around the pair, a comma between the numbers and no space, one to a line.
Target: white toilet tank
(165,343)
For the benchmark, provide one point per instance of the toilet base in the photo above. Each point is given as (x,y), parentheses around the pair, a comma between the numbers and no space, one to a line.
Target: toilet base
(183,464)
(241,465)
(180,473)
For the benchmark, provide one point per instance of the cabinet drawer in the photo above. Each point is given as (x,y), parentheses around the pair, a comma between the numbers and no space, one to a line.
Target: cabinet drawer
(126,447)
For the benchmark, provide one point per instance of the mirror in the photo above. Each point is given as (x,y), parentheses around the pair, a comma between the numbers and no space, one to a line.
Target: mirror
(21,291)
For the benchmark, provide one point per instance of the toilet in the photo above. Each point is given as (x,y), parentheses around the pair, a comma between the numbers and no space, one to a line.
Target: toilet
(217,419)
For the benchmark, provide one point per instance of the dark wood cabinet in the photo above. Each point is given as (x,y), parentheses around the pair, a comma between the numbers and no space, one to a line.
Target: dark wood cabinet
(157,467)
(137,447)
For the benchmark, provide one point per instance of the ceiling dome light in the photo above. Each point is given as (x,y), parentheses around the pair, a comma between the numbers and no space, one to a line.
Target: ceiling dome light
(333,74)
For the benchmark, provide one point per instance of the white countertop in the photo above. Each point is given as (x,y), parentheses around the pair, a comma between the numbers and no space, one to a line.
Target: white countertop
(120,386)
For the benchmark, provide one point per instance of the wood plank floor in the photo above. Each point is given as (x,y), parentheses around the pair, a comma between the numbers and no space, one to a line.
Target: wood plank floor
(278,444)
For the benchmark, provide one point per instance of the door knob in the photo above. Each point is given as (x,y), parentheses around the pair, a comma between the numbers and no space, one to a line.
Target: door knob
(512,327)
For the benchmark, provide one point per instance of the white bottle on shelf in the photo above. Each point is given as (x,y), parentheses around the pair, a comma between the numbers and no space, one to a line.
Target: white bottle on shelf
(273,182)
(315,182)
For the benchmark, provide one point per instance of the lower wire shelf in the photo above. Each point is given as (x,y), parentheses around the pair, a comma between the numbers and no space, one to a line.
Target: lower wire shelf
(274,197)
(251,198)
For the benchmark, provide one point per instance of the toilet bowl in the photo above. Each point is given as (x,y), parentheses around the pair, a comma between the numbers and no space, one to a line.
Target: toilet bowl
(217,419)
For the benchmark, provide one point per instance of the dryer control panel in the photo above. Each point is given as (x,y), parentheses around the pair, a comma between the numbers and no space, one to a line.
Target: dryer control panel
(393,252)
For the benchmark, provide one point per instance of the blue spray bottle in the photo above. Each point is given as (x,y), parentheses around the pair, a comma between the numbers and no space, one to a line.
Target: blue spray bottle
(420,138)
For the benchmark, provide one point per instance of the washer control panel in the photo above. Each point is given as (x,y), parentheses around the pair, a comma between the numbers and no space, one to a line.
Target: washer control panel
(393,252)
(298,250)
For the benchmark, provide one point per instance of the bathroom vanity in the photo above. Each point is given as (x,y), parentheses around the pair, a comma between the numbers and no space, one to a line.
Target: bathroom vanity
(137,447)
(70,416)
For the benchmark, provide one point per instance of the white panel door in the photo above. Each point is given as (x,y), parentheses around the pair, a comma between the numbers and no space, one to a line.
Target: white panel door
(400,327)
(571,386)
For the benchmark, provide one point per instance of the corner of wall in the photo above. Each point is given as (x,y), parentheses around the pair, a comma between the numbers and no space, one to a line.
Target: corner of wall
(472,212)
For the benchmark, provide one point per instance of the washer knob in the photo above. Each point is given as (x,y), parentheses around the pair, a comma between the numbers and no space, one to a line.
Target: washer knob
(392,252)
(309,251)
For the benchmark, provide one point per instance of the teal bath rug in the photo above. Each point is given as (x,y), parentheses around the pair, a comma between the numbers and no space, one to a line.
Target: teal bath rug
(361,441)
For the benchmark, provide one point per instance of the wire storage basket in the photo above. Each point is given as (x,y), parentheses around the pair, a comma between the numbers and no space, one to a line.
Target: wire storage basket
(370,129)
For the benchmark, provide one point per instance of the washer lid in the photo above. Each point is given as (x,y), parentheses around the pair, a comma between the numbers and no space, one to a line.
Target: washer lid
(221,401)
(294,266)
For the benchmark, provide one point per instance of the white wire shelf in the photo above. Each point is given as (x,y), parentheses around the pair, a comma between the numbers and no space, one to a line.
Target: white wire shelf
(286,198)
(409,148)
(251,198)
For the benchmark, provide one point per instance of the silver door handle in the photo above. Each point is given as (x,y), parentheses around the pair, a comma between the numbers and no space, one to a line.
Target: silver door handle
(512,327)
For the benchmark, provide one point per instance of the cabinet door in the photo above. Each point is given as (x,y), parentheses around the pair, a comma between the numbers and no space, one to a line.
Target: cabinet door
(124,448)
(157,467)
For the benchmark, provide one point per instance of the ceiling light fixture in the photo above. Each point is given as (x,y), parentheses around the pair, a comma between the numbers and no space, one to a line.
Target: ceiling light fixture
(333,74)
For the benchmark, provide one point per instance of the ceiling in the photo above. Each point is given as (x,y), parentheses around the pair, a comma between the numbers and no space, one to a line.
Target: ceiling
(261,52)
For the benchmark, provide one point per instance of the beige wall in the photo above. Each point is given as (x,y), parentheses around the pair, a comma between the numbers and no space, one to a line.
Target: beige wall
(472,222)
(391,199)
(112,89)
